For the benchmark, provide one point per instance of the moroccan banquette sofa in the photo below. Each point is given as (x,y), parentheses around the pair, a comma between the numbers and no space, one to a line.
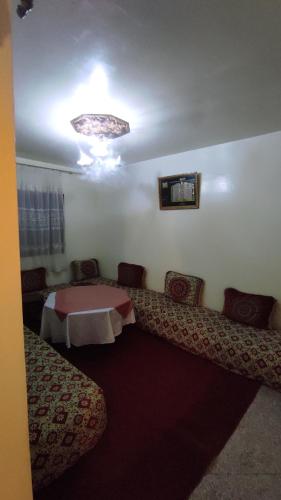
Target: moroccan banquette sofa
(251,350)
(67,411)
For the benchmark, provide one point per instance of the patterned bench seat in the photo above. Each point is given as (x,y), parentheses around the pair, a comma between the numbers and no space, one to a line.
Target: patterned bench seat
(248,351)
(67,412)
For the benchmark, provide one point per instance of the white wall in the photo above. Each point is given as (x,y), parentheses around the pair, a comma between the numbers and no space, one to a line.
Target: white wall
(80,214)
(233,239)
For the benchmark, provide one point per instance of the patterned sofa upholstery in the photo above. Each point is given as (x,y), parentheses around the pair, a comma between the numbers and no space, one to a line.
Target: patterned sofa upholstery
(251,352)
(67,412)
(248,351)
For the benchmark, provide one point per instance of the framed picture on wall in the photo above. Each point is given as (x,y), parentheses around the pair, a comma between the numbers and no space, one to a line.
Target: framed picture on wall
(179,191)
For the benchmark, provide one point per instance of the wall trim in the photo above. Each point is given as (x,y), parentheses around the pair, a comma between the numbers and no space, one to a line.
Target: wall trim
(49,166)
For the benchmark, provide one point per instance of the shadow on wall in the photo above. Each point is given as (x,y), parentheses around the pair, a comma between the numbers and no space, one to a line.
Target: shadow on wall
(275,318)
(4,22)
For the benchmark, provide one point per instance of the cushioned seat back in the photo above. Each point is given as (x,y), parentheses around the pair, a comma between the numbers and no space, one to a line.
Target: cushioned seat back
(84,269)
(248,308)
(33,280)
(131,275)
(183,288)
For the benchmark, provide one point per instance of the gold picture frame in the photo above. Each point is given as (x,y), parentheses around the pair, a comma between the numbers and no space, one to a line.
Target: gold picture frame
(177,192)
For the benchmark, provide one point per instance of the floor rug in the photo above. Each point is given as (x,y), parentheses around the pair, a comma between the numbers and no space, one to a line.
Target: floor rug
(169,415)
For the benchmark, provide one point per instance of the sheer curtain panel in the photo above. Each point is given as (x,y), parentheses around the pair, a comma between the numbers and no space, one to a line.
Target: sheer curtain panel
(41,218)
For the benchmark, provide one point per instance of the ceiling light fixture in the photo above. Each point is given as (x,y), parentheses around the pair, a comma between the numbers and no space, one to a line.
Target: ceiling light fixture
(101,126)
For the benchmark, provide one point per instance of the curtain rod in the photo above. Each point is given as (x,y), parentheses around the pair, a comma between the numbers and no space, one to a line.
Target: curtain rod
(25,162)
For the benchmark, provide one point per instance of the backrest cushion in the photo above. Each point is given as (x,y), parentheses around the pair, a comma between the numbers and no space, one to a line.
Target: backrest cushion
(250,309)
(131,275)
(183,288)
(33,280)
(84,269)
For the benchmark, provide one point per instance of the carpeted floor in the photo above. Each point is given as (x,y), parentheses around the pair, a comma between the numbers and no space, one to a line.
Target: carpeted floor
(169,414)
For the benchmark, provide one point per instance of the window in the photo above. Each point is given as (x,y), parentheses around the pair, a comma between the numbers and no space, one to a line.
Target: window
(41,218)
(41,222)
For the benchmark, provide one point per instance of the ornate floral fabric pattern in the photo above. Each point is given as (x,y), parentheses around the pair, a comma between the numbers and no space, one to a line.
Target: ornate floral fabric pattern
(248,351)
(183,288)
(248,308)
(251,352)
(84,269)
(67,413)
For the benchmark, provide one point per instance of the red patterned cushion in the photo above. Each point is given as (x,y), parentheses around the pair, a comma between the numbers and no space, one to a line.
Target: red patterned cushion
(130,275)
(247,308)
(33,280)
(84,269)
(183,288)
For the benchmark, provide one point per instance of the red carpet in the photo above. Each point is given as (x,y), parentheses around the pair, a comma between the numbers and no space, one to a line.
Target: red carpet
(169,414)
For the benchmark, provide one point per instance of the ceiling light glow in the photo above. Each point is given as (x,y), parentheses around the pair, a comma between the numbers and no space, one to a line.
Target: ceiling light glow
(99,82)
(84,159)
(97,115)
(101,167)
(100,148)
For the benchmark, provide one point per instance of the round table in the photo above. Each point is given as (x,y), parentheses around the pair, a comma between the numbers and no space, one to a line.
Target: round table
(86,315)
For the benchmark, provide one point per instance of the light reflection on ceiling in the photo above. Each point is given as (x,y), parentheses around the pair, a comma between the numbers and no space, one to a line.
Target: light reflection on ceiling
(183,74)
(92,96)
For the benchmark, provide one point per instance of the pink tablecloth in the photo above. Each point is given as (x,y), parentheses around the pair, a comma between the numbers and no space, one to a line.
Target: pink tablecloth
(90,298)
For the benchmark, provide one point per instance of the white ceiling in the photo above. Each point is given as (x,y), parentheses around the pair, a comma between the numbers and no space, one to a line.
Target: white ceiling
(186,73)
